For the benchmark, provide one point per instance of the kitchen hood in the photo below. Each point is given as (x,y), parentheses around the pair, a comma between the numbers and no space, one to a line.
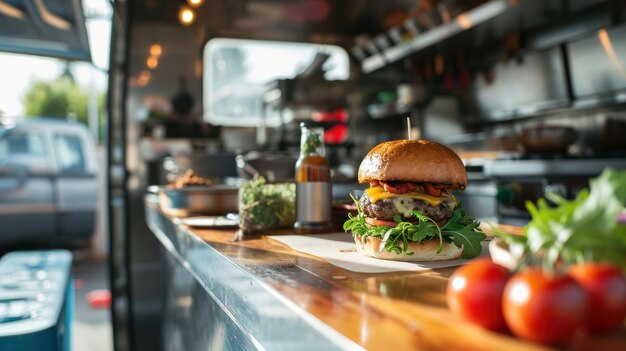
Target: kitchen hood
(53,28)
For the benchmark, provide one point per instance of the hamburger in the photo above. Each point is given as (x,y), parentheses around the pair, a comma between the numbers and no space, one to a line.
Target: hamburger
(409,212)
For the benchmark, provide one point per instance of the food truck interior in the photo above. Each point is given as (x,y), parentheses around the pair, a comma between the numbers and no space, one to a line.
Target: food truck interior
(536,88)
(530,93)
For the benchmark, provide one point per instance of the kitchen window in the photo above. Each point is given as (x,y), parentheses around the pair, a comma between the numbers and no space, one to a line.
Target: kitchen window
(237,70)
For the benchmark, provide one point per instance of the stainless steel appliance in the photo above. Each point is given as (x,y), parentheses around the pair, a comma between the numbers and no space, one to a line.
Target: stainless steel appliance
(528,179)
(478,199)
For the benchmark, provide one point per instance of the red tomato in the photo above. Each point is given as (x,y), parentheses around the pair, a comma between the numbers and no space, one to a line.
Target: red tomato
(542,308)
(606,287)
(380,222)
(475,293)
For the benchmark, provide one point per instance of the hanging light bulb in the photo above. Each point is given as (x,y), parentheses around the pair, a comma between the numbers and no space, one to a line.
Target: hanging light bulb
(144,78)
(186,15)
(152,62)
(195,3)
(156,50)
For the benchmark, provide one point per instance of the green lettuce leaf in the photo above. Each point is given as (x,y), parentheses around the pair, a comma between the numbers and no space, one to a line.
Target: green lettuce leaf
(578,230)
(460,229)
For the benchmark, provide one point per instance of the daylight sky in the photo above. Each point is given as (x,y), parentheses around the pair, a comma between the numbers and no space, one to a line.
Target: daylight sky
(18,71)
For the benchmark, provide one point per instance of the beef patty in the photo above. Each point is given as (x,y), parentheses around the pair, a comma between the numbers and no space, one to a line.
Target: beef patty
(385,209)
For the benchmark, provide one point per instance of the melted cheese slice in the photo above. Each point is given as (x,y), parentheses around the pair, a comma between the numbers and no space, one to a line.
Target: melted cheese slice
(378,193)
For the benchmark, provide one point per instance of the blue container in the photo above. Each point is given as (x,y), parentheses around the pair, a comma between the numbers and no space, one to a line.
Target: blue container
(36,300)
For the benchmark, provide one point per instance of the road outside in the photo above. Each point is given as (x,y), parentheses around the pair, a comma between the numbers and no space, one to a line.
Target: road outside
(92,326)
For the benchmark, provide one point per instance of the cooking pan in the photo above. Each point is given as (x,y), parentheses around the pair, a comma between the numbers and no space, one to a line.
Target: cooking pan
(547,139)
(192,200)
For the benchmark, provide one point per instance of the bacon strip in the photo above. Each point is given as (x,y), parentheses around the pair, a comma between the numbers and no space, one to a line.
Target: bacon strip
(401,187)
(406,187)
(434,190)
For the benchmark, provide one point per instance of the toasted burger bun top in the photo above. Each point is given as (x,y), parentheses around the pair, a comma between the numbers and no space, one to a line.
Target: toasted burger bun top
(419,161)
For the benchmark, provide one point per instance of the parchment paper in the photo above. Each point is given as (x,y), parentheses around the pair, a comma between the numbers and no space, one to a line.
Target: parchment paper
(339,250)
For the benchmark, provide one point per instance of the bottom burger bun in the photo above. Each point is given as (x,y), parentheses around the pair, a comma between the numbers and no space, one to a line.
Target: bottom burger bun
(427,251)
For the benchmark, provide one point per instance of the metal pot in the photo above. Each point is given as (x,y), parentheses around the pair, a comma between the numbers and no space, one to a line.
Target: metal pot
(274,166)
(192,200)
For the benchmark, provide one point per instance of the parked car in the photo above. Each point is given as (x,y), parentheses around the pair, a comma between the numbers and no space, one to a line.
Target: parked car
(48,183)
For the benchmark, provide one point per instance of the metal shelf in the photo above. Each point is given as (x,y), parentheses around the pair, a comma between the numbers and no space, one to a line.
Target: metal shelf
(460,24)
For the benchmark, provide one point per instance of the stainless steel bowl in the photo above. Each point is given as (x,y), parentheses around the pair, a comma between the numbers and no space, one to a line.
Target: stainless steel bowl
(196,200)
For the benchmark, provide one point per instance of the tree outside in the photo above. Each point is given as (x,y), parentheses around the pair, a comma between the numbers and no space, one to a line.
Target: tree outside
(63,98)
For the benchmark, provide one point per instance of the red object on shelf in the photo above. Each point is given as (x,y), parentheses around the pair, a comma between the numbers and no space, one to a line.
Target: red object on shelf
(336,134)
(99,299)
(339,115)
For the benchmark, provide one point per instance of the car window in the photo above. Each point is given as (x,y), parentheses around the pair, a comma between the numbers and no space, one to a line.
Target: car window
(22,142)
(69,151)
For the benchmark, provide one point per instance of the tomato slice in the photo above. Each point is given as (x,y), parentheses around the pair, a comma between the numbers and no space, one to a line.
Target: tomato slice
(379,222)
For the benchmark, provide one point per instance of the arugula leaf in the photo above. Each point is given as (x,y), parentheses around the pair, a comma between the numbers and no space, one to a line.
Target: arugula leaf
(468,238)
(460,229)
(426,222)
(578,230)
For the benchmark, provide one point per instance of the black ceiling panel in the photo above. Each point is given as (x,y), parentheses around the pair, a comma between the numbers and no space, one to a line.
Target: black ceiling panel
(53,28)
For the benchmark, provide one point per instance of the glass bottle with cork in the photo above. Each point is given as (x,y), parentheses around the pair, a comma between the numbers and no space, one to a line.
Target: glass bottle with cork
(313,187)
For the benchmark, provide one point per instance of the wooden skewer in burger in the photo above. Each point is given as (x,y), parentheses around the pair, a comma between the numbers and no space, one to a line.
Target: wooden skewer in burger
(409,212)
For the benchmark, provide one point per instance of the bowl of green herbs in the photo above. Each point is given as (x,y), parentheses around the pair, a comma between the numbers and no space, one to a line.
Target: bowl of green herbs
(264,205)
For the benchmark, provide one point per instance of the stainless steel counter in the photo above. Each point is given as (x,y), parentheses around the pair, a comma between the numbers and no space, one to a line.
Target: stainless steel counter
(213,303)
(259,294)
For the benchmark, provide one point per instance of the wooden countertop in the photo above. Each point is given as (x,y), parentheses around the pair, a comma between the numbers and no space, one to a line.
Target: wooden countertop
(390,311)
